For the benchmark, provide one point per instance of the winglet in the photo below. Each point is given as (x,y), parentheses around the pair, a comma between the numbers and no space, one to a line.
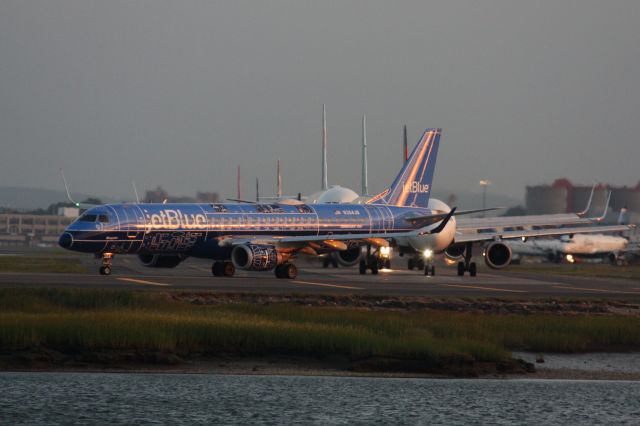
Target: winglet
(606,207)
(584,212)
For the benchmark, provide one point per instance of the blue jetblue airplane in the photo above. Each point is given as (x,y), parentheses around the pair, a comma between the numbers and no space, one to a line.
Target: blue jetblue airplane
(263,237)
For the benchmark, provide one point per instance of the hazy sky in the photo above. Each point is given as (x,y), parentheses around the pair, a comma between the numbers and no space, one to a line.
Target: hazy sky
(177,93)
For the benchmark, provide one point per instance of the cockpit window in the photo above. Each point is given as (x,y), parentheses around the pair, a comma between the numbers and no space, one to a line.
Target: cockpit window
(103,218)
(87,218)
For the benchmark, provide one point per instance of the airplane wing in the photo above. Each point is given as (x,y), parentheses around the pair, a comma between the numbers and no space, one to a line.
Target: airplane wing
(335,241)
(523,221)
(468,235)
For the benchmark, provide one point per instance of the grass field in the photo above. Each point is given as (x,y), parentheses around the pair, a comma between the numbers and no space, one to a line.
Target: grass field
(72,321)
(583,269)
(53,262)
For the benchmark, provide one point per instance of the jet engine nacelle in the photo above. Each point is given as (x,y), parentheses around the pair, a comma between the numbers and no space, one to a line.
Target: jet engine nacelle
(256,257)
(455,251)
(497,255)
(349,257)
(160,261)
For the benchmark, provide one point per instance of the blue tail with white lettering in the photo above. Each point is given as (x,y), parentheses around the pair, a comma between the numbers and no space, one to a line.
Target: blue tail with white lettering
(412,186)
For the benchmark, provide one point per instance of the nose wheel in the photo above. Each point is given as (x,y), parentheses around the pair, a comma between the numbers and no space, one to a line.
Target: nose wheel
(107,260)
(429,270)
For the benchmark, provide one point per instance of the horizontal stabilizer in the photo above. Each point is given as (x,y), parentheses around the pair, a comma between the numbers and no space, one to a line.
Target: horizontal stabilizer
(433,218)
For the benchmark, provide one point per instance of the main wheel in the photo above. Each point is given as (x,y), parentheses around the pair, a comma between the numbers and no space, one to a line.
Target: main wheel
(374,266)
(472,269)
(325,262)
(433,270)
(411,263)
(334,261)
(229,269)
(289,271)
(426,270)
(362,267)
(105,270)
(217,269)
(460,269)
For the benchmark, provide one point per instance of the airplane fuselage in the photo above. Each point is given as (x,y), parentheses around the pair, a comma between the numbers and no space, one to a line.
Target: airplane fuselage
(197,229)
(582,245)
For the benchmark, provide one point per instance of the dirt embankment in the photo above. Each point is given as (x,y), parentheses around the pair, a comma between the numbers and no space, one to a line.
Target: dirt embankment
(487,306)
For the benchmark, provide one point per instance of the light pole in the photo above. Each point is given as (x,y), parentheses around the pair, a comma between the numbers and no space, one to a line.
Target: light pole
(484,183)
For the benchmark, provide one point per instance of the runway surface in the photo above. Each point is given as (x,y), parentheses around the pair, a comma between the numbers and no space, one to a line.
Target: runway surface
(195,275)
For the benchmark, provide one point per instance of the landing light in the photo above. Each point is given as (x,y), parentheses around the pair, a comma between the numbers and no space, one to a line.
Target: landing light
(385,251)
(427,253)
(570,258)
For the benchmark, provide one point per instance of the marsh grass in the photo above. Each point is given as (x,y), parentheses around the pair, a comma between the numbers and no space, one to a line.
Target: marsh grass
(41,263)
(631,272)
(80,320)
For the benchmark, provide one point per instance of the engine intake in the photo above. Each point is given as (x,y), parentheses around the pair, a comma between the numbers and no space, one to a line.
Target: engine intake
(455,251)
(349,257)
(497,255)
(255,257)
(160,261)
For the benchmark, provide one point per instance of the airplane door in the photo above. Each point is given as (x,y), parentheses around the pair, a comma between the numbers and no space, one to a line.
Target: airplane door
(134,225)
(385,218)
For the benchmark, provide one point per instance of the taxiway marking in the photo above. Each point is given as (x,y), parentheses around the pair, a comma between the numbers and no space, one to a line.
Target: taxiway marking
(598,290)
(327,285)
(133,280)
(483,288)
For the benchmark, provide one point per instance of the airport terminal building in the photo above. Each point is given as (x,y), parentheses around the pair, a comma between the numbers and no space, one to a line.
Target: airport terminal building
(23,230)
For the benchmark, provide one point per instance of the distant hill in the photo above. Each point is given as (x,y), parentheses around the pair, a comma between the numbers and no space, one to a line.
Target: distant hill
(16,197)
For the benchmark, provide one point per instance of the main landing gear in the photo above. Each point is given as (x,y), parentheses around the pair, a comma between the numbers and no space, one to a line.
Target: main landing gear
(467,265)
(287,271)
(329,259)
(371,262)
(415,263)
(107,260)
(223,269)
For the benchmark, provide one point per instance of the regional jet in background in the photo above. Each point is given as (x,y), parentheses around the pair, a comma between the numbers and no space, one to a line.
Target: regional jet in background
(263,237)
(571,249)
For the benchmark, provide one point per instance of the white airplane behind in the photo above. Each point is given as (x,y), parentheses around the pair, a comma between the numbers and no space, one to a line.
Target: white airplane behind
(570,249)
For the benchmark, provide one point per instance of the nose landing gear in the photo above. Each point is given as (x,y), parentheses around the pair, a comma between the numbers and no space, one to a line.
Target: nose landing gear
(107,260)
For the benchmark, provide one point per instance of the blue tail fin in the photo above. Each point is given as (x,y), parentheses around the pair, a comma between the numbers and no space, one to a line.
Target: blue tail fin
(412,186)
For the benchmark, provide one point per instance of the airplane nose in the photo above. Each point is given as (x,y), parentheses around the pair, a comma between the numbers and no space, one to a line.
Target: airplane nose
(66,240)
